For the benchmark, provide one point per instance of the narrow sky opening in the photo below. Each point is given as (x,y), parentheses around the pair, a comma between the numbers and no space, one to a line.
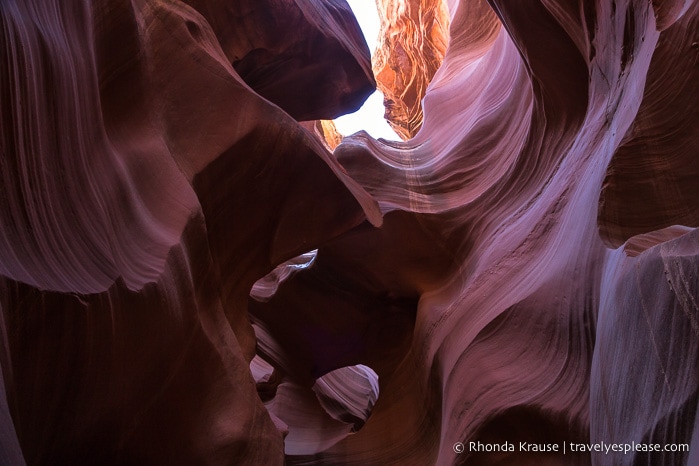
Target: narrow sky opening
(370,116)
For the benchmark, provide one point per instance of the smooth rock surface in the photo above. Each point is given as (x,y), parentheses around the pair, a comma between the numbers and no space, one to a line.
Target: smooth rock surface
(189,275)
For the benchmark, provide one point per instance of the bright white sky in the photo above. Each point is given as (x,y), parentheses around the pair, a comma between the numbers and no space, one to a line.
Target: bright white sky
(370,116)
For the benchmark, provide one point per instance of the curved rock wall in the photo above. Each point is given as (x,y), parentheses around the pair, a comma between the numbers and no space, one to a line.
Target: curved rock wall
(138,173)
(489,302)
(189,276)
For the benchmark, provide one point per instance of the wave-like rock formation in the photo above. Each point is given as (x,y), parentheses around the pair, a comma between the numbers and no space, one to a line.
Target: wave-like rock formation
(145,187)
(189,276)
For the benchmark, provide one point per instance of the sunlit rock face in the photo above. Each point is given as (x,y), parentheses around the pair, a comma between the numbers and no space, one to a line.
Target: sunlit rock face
(413,38)
(189,276)
(325,131)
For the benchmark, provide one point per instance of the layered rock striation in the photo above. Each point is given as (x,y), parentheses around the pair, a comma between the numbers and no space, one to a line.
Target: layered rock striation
(139,172)
(188,275)
(527,284)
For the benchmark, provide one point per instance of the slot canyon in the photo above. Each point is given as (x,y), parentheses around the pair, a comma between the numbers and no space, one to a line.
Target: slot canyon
(197,269)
